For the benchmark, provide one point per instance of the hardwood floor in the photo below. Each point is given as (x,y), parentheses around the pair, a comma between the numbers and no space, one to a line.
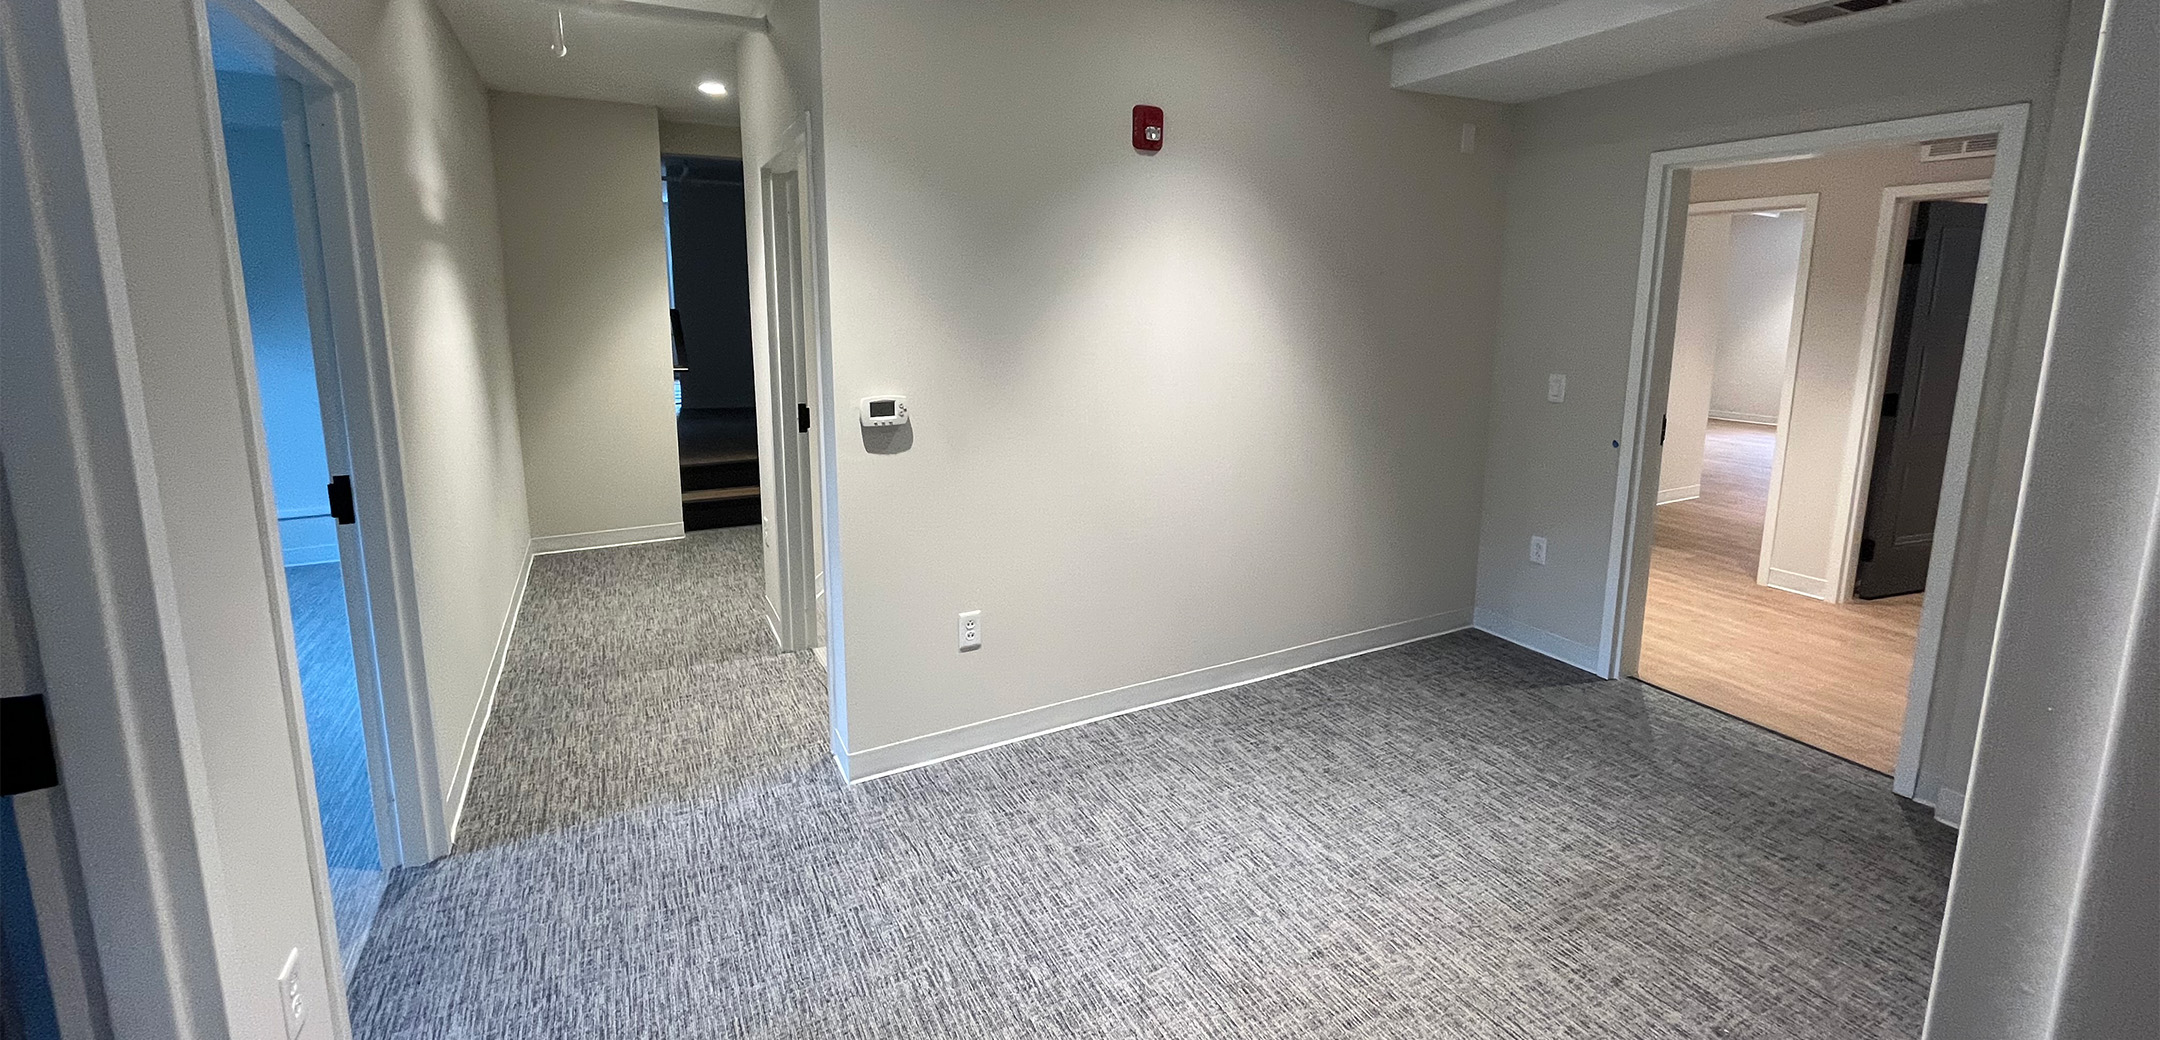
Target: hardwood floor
(1828,674)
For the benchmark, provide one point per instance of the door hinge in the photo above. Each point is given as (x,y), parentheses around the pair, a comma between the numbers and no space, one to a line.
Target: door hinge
(1867,550)
(341,504)
(802,417)
(1664,423)
(26,748)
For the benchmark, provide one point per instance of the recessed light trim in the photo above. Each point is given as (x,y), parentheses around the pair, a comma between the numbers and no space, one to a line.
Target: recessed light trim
(712,88)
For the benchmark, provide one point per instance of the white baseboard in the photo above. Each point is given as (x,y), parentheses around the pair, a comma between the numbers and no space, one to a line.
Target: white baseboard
(476,727)
(1805,584)
(561,543)
(1667,497)
(1746,417)
(915,752)
(1559,648)
(1950,806)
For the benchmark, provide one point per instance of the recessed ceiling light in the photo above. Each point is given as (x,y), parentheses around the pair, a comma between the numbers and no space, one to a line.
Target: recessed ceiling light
(713,88)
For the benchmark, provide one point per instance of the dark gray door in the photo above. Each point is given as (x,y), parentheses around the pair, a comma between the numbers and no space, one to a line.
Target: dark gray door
(1927,347)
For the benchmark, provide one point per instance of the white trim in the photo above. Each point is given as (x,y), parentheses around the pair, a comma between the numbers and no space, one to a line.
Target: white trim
(476,727)
(1668,496)
(1635,490)
(1891,226)
(1740,417)
(561,543)
(1949,806)
(1793,581)
(96,561)
(1530,637)
(929,749)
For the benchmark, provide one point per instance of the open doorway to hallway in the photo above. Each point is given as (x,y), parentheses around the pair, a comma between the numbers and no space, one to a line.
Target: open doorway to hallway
(1819,329)
(716,382)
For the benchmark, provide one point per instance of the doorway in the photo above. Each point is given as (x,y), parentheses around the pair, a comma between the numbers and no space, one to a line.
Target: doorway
(795,537)
(715,380)
(288,142)
(1738,579)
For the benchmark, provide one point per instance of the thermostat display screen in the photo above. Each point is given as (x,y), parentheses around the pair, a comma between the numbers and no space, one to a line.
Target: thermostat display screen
(881,409)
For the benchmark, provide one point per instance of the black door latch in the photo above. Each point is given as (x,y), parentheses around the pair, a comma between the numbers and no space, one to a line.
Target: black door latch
(341,505)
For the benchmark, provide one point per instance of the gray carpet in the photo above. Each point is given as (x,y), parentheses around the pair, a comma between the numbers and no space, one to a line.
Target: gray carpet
(1452,839)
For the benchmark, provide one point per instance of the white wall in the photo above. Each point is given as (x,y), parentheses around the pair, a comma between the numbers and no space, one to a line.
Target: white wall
(431,181)
(1747,379)
(1705,260)
(1575,210)
(1173,411)
(585,266)
(1824,428)
(724,142)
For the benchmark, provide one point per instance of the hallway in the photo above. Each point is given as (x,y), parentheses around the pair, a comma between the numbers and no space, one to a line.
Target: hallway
(1832,675)
(1456,838)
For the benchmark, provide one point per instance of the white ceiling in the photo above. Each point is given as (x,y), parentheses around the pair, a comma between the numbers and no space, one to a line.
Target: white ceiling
(1531,49)
(643,53)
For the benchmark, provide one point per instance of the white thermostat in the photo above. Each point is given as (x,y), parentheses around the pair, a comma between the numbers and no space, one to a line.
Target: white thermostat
(884,411)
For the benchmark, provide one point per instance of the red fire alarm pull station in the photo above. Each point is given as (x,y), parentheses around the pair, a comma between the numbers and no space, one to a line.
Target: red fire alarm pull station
(1147,128)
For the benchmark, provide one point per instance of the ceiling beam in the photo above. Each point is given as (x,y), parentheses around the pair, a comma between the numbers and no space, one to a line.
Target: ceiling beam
(1434,19)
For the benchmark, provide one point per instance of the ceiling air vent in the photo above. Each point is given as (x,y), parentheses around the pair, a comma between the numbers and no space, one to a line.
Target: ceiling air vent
(1813,13)
(1958,148)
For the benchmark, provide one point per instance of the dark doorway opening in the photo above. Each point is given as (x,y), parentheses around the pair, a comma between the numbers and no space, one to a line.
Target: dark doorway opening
(709,282)
(1927,350)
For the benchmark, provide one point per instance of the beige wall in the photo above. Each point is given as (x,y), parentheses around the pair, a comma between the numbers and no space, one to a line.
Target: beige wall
(585,266)
(431,182)
(1705,257)
(721,142)
(1747,379)
(1172,411)
(1822,435)
(1574,239)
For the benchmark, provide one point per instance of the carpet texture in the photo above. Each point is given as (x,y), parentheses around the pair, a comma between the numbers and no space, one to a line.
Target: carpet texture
(330,692)
(1457,838)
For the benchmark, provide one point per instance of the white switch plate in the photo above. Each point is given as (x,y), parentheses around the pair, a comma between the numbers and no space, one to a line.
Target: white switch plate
(1556,388)
(970,631)
(289,998)
(1537,549)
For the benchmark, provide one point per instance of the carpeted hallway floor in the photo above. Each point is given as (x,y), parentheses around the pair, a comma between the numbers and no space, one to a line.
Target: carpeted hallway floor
(1456,838)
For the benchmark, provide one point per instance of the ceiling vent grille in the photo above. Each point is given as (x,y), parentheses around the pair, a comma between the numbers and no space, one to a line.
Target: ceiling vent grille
(1958,147)
(1813,13)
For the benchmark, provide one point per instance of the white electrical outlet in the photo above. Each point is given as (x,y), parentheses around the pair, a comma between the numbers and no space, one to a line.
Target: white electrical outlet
(1556,388)
(289,998)
(970,631)
(1537,549)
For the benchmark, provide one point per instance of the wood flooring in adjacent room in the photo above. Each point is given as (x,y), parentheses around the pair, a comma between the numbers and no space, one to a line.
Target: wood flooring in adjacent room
(1832,675)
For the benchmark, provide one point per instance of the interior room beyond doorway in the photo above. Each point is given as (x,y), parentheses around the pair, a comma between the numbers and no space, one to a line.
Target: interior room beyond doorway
(1797,292)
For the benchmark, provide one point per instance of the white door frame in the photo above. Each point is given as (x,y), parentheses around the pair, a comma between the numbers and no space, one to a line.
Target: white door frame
(790,315)
(1789,372)
(412,822)
(1650,368)
(1878,317)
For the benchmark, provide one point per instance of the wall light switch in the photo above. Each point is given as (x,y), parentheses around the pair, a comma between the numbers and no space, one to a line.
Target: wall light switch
(1469,138)
(1556,388)
(1537,549)
(971,631)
